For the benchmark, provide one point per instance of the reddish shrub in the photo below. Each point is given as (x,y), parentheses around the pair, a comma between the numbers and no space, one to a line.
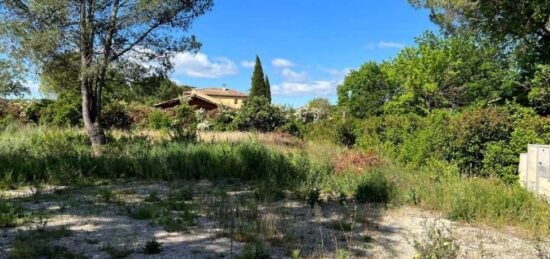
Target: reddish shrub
(356,162)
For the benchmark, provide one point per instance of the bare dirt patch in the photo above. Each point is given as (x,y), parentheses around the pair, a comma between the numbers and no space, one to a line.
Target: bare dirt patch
(223,220)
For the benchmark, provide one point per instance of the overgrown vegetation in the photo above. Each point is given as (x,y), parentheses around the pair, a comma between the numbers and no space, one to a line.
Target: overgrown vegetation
(440,126)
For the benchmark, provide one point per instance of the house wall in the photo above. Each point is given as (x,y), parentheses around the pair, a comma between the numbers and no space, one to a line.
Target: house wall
(231,101)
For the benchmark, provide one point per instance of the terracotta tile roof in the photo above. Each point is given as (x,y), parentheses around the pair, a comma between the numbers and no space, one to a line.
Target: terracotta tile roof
(219,92)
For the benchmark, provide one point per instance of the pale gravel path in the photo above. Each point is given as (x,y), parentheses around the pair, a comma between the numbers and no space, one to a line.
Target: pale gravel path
(95,226)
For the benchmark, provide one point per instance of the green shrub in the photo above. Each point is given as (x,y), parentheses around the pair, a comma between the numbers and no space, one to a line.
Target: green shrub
(158,119)
(184,126)
(223,121)
(313,197)
(145,212)
(115,115)
(9,214)
(431,140)
(255,250)
(293,128)
(152,247)
(258,114)
(539,94)
(35,109)
(375,187)
(8,121)
(386,134)
(501,158)
(346,133)
(473,130)
(65,111)
(438,242)
(322,131)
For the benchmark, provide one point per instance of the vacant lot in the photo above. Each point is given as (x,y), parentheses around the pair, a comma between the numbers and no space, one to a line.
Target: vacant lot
(203,219)
(244,195)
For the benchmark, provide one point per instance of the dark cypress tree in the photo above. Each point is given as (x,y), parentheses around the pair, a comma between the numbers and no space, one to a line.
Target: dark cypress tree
(267,89)
(258,80)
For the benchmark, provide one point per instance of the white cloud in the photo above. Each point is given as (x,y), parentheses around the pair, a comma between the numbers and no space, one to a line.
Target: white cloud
(316,88)
(291,75)
(390,44)
(281,62)
(297,84)
(199,65)
(338,74)
(248,64)
(386,45)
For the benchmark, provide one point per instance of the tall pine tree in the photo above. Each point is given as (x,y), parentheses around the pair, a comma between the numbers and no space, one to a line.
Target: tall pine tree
(258,80)
(267,89)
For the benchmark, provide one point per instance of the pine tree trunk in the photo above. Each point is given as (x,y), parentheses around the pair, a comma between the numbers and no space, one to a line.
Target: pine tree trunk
(96,133)
(91,101)
(90,114)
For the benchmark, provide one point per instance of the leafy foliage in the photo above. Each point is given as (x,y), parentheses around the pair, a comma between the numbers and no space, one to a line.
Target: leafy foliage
(365,91)
(11,78)
(539,95)
(108,32)
(158,119)
(258,114)
(260,82)
(519,27)
(438,242)
(116,115)
(446,73)
(375,187)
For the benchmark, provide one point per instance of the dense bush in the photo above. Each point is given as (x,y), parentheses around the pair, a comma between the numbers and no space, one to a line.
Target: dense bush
(375,187)
(33,111)
(346,133)
(293,128)
(322,131)
(158,119)
(539,95)
(115,115)
(431,140)
(62,112)
(473,131)
(386,134)
(258,114)
(224,119)
(184,126)
(482,141)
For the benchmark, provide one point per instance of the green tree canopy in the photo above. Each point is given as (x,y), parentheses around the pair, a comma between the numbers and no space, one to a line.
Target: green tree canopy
(104,33)
(267,89)
(520,26)
(365,91)
(258,86)
(448,72)
(539,95)
(11,79)
(59,76)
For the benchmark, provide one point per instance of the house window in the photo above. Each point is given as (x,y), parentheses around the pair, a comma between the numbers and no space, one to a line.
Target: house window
(236,101)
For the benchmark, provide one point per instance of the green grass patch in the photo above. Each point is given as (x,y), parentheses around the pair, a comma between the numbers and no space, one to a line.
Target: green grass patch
(10,214)
(39,244)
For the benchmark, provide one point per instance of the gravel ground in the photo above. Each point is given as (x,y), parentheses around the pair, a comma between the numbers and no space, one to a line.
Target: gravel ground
(98,223)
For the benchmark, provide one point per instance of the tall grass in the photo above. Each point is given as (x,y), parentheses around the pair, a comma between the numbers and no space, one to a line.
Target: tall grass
(64,155)
(439,186)
(473,199)
(461,198)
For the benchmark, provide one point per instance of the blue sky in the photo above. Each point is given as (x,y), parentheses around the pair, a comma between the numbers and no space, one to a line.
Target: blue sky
(306,46)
